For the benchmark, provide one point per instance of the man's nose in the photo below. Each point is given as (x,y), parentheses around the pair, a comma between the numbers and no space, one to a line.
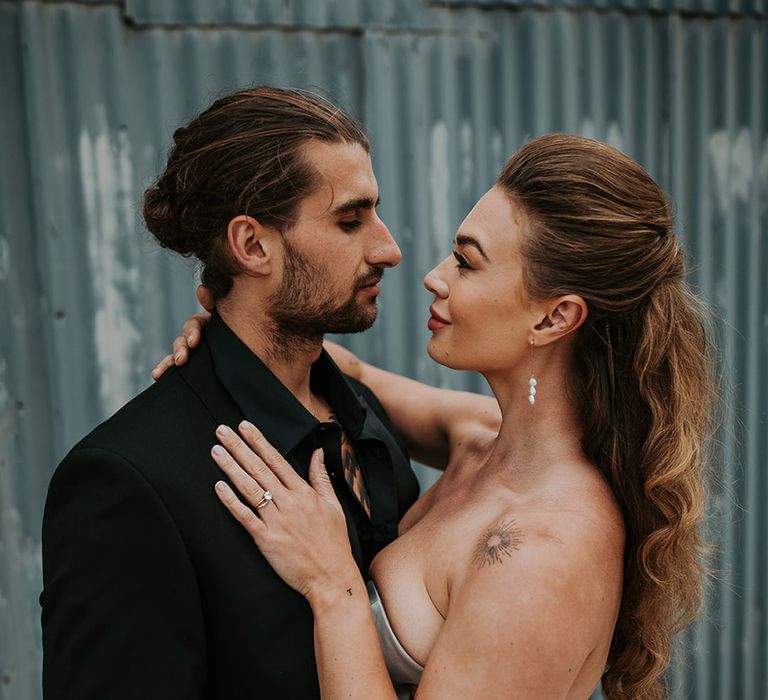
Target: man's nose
(384,252)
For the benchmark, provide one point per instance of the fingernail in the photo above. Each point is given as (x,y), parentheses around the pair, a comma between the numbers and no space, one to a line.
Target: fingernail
(219,486)
(322,455)
(189,338)
(247,425)
(177,356)
(218,450)
(222,430)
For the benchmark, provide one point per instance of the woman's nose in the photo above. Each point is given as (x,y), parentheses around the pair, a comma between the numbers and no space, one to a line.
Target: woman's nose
(435,282)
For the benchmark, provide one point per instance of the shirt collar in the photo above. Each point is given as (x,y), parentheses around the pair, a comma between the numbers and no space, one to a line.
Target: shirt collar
(264,399)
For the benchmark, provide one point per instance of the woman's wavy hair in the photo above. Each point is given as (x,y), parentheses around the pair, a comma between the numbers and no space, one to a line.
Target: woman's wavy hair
(242,155)
(642,377)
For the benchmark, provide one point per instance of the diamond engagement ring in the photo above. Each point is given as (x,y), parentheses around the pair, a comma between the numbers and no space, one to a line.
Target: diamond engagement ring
(265,500)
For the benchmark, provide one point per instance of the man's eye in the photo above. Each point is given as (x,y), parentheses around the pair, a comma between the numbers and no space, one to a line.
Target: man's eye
(350,225)
(462,262)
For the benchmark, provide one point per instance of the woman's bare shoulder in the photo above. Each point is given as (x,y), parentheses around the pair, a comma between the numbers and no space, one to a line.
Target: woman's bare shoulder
(588,507)
(580,512)
(570,534)
(539,588)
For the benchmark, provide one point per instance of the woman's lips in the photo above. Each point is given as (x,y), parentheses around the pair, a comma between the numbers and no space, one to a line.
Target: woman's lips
(436,321)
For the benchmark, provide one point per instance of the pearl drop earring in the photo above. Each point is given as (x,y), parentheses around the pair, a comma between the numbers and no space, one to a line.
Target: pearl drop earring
(532,382)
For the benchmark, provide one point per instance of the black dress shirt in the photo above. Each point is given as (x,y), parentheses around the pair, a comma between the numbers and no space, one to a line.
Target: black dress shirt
(296,434)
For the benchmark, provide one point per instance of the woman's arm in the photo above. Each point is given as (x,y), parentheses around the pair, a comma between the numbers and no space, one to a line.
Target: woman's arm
(350,663)
(431,420)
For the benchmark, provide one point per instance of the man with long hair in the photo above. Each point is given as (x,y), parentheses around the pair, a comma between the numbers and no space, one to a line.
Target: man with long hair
(151,590)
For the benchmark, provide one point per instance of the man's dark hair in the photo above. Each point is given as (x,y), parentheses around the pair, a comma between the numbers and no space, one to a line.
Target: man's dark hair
(242,155)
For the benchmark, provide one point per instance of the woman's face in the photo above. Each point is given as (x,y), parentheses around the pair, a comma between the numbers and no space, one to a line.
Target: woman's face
(481,318)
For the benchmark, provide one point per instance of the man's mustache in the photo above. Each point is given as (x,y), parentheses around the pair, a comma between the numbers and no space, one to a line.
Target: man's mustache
(372,277)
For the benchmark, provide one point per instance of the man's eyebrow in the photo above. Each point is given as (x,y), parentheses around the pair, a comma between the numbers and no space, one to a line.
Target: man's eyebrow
(464,239)
(359,203)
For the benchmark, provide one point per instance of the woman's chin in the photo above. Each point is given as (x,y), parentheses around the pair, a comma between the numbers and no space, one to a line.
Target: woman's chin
(441,355)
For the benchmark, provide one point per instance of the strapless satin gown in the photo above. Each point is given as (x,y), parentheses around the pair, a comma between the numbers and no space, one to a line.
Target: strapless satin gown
(403,670)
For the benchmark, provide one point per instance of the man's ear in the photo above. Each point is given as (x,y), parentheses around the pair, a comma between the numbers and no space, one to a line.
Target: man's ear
(252,245)
(562,316)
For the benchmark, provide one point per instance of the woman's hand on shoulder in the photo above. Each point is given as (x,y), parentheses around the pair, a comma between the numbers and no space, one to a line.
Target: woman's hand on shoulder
(192,332)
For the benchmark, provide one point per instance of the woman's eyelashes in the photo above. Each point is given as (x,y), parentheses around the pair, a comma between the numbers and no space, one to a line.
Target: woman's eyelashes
(462,263)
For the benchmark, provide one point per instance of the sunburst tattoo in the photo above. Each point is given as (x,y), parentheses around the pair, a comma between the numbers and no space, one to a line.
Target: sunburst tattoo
(496,543)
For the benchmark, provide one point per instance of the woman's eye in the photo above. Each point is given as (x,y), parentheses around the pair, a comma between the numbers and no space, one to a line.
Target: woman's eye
(350,225)
(462,262)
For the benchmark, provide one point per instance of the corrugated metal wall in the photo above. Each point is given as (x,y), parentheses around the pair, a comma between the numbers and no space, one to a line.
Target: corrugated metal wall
(90,93)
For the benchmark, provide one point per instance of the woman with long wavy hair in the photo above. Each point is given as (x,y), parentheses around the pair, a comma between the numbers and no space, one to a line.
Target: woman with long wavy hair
(562,545)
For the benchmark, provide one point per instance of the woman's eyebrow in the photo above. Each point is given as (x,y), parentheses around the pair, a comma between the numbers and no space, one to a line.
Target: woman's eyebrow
(465,239)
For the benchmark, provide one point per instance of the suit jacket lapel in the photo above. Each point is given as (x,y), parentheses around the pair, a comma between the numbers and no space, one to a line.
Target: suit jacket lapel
(199,374)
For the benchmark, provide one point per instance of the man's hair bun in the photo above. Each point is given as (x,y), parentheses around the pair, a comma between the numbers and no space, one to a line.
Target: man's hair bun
(163,221)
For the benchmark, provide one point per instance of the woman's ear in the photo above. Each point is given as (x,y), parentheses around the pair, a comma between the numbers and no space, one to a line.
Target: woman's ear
(564,316)
(251,245)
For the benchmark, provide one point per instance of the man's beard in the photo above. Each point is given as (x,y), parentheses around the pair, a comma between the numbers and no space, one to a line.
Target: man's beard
(302,311)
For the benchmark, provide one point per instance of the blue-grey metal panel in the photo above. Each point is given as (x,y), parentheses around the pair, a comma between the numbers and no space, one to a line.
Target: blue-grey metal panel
(93,91)
(349,15)
(25,455)
(80,2)
(689,7)
(400,14)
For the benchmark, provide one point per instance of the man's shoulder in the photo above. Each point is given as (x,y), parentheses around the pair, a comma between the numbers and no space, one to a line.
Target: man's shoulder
(161,434)
(161,437)
(144,415)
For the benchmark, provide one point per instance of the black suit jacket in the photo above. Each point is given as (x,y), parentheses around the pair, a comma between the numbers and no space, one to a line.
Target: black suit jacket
(151,589)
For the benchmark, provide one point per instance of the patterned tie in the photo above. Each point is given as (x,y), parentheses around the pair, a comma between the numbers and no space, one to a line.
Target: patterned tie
(352,472)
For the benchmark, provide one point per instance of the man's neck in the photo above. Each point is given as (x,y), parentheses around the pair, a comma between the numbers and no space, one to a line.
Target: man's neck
(290,363)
